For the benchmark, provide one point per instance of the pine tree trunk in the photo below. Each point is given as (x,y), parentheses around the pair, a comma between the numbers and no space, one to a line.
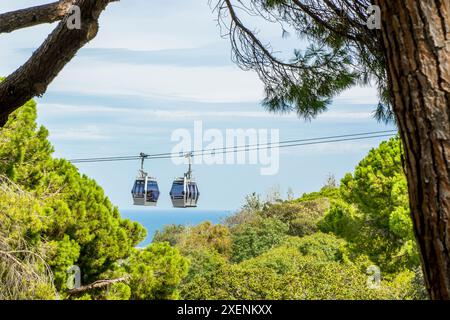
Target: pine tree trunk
(416,38)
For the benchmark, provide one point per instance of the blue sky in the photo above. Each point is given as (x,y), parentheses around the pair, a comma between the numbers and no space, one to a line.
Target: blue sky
(157,66)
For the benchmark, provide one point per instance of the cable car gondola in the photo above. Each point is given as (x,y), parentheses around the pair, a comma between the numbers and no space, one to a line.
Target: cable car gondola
(145,190)
(184,192)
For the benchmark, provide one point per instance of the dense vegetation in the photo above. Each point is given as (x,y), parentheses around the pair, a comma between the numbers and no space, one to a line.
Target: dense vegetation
(319,246)
(52,217)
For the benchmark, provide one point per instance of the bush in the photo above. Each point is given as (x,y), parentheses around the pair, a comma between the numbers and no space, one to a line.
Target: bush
(282,274)
(171,233)
(342,219)
(205,236)
(203,261)
(378,189)
(253,239)
(323,247)
(156,272)
(301,217)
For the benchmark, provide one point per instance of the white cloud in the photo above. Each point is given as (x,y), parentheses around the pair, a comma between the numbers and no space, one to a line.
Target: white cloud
(143,113)
(103,132)
(87,133)
(150,25)
(51,109)
(206,84)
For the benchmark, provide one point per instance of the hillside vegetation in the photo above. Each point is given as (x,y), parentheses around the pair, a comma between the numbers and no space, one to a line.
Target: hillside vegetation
(319,246)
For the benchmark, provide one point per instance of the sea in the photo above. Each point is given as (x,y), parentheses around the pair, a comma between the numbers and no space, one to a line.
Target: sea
(155,219)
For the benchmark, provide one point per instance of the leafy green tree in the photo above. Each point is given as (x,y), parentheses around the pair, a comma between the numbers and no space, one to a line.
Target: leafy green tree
(321,246)
(64,254)
(301,217)
(326,193)
(253,239)
(206,235)
(312,267)
(282,273)
(170,233)
(203,261)
(253,203)
(408,285)
(376,219)
(342,219)
(351,43)
(249,212)
(199,244)
(79,222)
(24,271)
(25,151)
(156,272)
(118,291)
(371,185)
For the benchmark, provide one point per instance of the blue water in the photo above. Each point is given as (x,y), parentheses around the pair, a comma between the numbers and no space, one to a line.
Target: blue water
(155,219)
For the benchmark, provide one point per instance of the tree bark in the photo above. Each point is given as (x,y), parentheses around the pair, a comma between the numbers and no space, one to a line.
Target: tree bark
(24,18)
(416,37)
(33,77)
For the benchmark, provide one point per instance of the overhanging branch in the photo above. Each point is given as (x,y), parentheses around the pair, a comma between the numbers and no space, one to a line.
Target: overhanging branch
(33,77)
(24,18)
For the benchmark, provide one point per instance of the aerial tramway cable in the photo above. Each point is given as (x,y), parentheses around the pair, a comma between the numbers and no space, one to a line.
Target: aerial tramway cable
(246,148)
(184,192)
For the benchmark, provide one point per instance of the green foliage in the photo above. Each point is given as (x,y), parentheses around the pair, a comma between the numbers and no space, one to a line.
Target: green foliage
(203,261)
(378,189)
(327,192)
(232,282)
(300,216)
(408,285)
(253,239)
(24,148)
(373,181)
(206,246)
(156,272)
(282,273)
(171,233)
(118,291)
(315,247)
(206,236)
(82,211)
(253,203)
(24,273)
(311,267)
(325,74)
(342,219)
(341,52)
(56,211)
(321,246)
(65,253)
